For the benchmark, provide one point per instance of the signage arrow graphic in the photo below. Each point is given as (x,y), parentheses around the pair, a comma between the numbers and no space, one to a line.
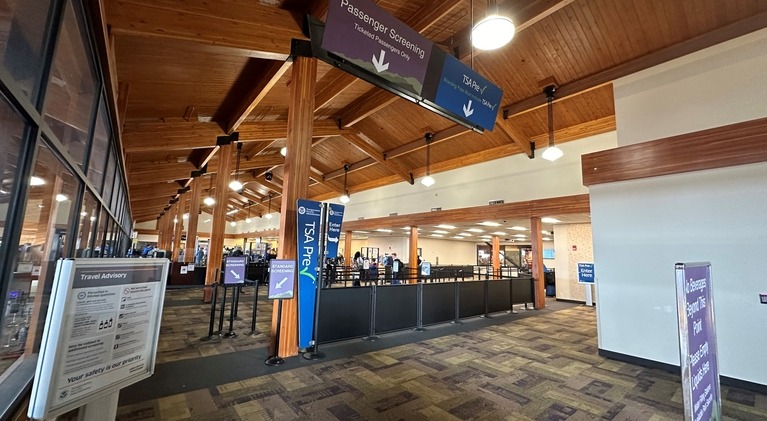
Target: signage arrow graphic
(279,284)
(379,62)
(333,239)
(235,274)
(467,110)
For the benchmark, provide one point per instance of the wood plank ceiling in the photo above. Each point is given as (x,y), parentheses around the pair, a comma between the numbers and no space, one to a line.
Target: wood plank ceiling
(189,71)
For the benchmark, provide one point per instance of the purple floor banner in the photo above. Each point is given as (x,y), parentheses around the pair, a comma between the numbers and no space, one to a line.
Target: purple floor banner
(697,342)
(309,220)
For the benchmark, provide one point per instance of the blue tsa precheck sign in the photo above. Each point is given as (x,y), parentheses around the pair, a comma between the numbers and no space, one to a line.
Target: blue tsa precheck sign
(467,94)
(585,273)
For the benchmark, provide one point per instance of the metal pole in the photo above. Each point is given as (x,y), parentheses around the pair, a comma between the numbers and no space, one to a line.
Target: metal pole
(486,315)
(255,308)
(221,312)
(511,296)
(212,314)
(372,335)
(275,360)
(232,310)
(315,353)
(419,308)
(457,320)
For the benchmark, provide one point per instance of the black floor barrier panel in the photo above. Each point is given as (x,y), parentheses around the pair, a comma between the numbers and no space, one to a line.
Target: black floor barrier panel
(472,298)
(498,295)
(438,303)
(344,314)
(396,307)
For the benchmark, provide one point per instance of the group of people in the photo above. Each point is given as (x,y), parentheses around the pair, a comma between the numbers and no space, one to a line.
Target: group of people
(368,270)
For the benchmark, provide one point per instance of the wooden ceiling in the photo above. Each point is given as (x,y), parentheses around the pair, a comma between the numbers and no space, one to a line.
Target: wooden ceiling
(188,71)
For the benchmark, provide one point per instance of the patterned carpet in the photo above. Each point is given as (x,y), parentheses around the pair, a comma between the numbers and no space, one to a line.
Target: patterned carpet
(537,368)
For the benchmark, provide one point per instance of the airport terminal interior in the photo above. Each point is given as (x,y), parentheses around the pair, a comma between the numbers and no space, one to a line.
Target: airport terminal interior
(359,209)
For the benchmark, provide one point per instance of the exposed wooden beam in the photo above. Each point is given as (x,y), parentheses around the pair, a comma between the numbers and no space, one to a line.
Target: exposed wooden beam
(578,131)
(209,23)
(149,137)
(254,83)
(515,135)
(340,83)
(364,143)
(123,91)
(417,144)
(708,39)
(365,106)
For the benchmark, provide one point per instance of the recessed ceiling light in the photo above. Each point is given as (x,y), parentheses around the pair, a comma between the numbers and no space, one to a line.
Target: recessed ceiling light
(445,227)
(486,237)
(440,232)
(437,235)
(490,224)
(499,233)
(209,201)
(406,228)
(546,239)
(362,232)
(232,212)
(83,213)
(464,234)
(3,191)
(519,236)
(544,232)
(518,228)
(234,224)
(61,197)
(550,220)
(458,237)
(36,181)
(206,221)
(383,230)
(185,216)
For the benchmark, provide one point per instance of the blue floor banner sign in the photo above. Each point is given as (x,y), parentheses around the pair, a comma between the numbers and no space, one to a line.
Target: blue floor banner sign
(335,219)
(697,342)
(309,218)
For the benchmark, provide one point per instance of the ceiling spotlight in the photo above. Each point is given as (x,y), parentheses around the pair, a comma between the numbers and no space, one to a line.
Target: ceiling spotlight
(284,151)
(61,197)
(268,176)
(209,201)
(235,185)
(36,181)
(548,220)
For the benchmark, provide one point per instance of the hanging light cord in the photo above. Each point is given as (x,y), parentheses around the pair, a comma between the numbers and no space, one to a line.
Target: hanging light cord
(550,109)
(428,152)
(346,173)
(237,167)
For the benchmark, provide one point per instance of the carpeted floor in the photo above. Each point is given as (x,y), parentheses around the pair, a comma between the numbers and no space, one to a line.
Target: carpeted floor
(536,365)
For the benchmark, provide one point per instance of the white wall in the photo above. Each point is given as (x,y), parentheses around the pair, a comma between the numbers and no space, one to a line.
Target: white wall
(566,259)
(513,179)
(449,252)
(642,227)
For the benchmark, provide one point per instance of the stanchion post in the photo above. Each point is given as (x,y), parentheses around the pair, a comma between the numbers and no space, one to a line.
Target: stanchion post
(487,288)
(213,300)
(255,309)
(233,309)
(275,359)
(221,312)
(419,308)
(457,320)
(372,335)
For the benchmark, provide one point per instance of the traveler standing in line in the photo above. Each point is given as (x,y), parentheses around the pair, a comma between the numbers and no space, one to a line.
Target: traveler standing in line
(396,269)
(357,266)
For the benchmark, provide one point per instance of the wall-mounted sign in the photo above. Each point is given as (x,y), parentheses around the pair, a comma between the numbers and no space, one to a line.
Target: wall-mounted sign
(101,332)
(697,342)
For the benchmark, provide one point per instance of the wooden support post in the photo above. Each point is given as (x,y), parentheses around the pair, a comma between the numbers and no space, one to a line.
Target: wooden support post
(496,256)
(194,215)
(348,248)
(295,186)
(413,254)
(218,226)
(536,240)
(179,228)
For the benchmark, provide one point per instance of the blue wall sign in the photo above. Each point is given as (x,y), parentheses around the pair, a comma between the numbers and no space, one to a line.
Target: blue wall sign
(335,219)
(309,217)
(234,269)
(585,273)
(467,94)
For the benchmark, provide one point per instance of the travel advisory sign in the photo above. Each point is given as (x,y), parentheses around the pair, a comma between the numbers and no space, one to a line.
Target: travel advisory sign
(697,342)
(101,333)
(368,37)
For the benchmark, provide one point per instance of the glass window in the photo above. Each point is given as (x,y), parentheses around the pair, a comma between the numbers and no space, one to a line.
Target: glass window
(98,158)
(86,228)
(11,141)
(109,244)
(47,219)
(71,88)
(109,178)
(98,246)
(24,24)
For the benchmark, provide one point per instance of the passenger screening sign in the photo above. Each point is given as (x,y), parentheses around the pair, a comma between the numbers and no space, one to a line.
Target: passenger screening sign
(697,342)
(367,36)
(309,218)
(101,333)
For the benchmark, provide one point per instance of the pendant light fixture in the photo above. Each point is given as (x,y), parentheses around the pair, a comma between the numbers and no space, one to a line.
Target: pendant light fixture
(235,184)
(552,153)
(345,197)
(428,181)
(269,214)
(247,218)
(492,32)
(209,201)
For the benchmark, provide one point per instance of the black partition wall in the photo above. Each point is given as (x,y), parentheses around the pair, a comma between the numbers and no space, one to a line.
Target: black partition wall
(355,312)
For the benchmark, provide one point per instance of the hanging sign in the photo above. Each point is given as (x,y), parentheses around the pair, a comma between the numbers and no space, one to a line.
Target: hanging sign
(335,219)
(309,215)
(697,342)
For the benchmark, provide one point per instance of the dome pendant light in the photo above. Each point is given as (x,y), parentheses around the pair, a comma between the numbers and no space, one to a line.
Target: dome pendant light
(552,153)
(235,184)
(269,213)
(492,32)
(209,201)
(428,181)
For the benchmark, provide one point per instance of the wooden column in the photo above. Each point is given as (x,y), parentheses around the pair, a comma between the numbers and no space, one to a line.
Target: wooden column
(413,255)
(218,226)
(179,228)
(295,186)
(169,230)
(161,229)
(536,240)
(348,248)
(496,255)
(194,217)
